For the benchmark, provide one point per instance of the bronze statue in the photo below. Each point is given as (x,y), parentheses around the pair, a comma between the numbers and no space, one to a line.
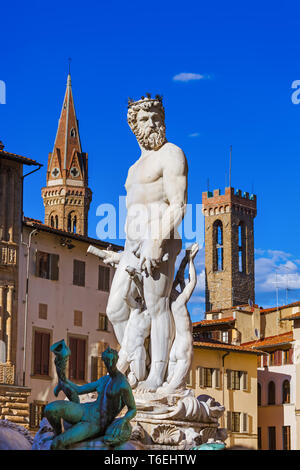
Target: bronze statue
(93,419)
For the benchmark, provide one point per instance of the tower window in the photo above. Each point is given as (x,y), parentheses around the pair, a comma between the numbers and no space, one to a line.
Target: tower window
(72,221)
(218,245)
(73,132)
(241,247)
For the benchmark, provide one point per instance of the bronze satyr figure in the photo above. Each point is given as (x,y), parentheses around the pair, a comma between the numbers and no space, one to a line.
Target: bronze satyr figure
(92,419)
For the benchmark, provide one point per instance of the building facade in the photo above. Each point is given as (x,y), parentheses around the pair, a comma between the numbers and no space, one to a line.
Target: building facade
(67,296)
(13,396)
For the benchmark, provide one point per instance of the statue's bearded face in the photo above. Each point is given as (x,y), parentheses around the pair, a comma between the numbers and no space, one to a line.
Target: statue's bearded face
(150,129)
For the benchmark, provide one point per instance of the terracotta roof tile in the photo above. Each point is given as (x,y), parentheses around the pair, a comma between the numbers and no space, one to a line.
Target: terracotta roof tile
(226,347)
(273,309)
(271,341)
(34,223)
(20,158)
(214,321)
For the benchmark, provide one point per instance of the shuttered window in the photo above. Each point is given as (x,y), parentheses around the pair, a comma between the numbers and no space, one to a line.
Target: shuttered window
(272,437)
(237,380)
(245,381)
(286,437)
(77,318)
(47,265)
(41,353)
(208,377)
(43,309)
(217,378)
(77,358)
(103,322)
(98,368)
(265,361)
(244,423)
(103,278)
(78,273)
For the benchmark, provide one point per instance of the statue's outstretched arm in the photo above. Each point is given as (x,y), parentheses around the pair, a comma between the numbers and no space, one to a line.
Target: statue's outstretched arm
(82,389)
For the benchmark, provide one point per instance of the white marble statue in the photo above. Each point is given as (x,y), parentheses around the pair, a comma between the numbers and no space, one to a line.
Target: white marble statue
(133,352)
(156,188)
(182,349)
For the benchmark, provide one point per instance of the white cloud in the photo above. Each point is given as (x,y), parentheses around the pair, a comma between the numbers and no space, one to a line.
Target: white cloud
(275,269)
(187,77)
(194,134)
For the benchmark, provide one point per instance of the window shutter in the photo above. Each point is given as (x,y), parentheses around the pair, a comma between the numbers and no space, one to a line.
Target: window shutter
(43,308)
(37,353)
(245,381)
(81,359)
(201,376)
(94,368)
(229,379)
(77,318)
(244,424)
(291,356)
(217,378)
(37,263)
(78,273)
(45,353)
(54,267)
(229,420)
(103,278)
(265,361)
(72,358)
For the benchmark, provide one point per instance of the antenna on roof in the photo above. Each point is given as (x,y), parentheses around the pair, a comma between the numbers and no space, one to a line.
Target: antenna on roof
(230,166)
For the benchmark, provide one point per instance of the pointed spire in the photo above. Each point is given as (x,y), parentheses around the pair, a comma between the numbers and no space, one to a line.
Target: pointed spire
(67,140)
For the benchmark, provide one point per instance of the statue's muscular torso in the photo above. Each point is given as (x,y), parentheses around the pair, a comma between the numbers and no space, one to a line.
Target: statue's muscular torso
(147,184)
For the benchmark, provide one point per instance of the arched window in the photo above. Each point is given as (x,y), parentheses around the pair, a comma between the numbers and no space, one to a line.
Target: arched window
(271,393)
(52,221)
(72,221)
(56,221)
(258,394)
(218,245)
(242,247)
(286,394)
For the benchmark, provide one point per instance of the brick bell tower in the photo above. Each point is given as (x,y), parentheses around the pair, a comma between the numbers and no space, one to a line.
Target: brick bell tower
(67,196)
(229,248)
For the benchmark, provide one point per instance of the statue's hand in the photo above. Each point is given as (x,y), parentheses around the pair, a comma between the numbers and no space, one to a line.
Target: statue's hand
(193,250)
(151,256)
(112,258)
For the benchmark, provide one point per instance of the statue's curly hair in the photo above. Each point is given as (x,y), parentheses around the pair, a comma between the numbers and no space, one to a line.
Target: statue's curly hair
(145,105)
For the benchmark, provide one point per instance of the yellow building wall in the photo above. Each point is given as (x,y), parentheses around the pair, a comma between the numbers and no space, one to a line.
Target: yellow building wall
(243,401)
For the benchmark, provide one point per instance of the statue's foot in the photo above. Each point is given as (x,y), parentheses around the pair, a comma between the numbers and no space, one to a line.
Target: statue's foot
(149,385)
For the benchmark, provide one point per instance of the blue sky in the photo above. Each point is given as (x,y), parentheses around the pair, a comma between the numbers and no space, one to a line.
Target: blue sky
(245,56)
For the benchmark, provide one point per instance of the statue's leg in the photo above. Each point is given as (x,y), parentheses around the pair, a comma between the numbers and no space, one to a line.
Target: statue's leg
(138,364)
(117,309)
(77,433)
(123,362)
(178,379)
(157,290)
(62,409)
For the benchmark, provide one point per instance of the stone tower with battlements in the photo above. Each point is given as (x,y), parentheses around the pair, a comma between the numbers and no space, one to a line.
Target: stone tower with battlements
(67,196)
(229,248)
